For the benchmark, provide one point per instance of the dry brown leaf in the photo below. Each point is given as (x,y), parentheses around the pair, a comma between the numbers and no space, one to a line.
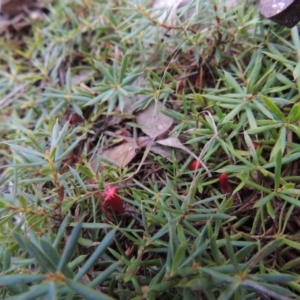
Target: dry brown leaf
(82,77)
(166,152)
(153,121)
(124,153)
(14,7)
(175,143)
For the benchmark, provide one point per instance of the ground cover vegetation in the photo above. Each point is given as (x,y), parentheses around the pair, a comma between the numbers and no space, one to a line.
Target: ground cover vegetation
(148,157)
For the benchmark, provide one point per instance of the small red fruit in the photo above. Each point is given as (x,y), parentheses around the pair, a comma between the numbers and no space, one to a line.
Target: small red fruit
(255,145)
(195,165)
(75,118)
(225,186)
(112,200)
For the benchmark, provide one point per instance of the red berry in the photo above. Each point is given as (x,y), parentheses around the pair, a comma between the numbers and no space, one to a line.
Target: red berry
(255,145)
(75,118)
(112,200)
(225,186)
(195,165)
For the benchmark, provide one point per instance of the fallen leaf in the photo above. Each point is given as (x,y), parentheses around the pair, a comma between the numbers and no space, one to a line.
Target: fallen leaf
(175,143)
(82,77)
(166,152)
(124,153)
(13,7)
(153,121)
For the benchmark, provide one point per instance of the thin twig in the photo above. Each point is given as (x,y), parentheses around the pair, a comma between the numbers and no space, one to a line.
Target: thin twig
(146,14)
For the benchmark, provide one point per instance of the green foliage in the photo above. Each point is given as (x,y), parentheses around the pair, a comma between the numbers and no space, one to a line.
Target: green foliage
(81,72)
(58,277)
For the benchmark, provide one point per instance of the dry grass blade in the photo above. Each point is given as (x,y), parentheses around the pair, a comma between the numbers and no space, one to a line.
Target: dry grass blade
(9,98)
